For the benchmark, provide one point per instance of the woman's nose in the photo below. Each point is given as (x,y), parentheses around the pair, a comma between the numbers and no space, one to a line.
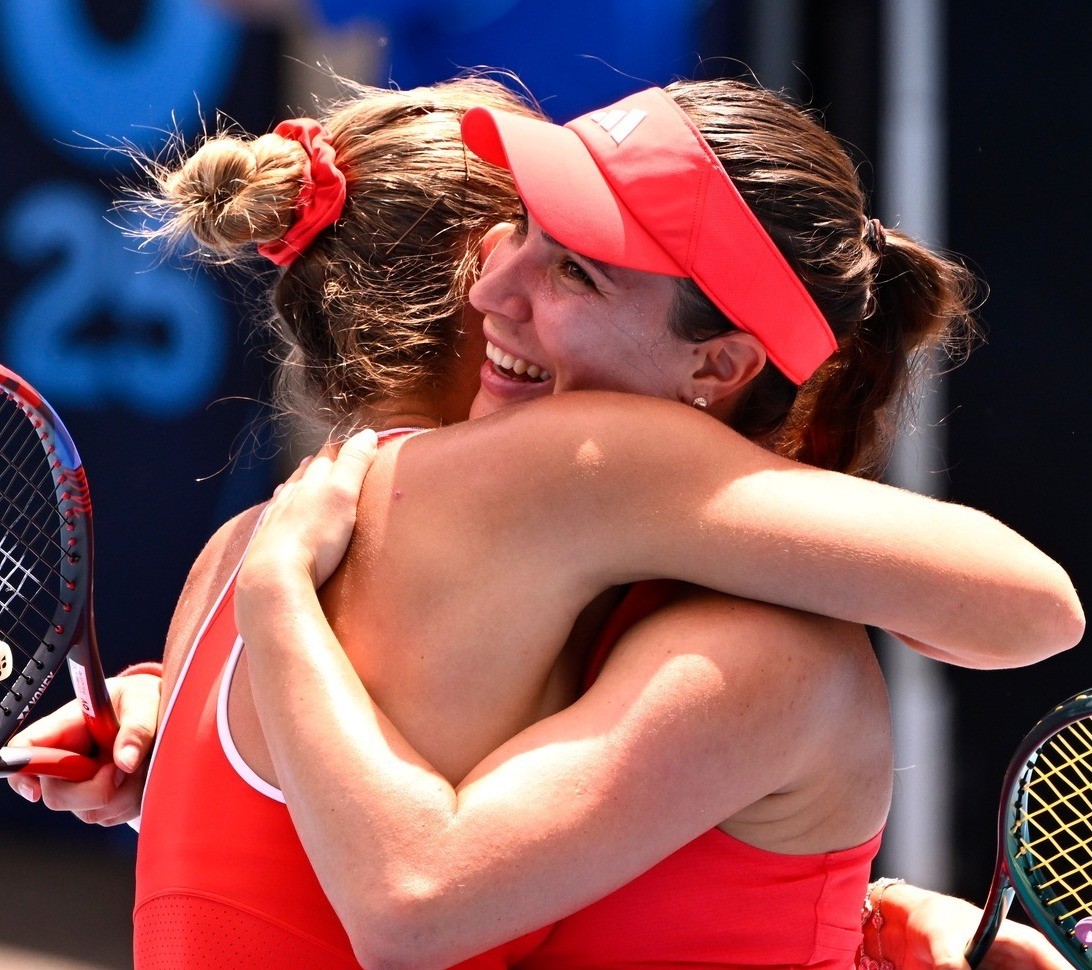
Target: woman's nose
(501,287)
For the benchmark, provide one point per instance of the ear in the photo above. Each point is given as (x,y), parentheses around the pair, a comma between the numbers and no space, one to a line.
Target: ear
(491,240)
(727,364)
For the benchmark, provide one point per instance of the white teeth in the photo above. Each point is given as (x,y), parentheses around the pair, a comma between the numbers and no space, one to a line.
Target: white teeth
(515,364)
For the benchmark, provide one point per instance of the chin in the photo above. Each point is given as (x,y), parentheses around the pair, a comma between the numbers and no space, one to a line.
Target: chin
(482,406)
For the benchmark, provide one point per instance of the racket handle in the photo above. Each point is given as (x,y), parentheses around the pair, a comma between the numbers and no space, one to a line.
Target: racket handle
(103,728)
(52,762)
(997,907)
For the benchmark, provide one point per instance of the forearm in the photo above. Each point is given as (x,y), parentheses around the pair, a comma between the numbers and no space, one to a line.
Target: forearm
(622,488)
(651,489)
(556,818)
(722,512)
(401,860)
(956,584)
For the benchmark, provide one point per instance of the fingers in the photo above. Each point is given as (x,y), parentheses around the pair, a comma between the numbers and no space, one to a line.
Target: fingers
(64,728)
(113,794)
(137,703)
(360,446)
(1020,947)
(308,524)
(26,786)
(340,464)
(353,462)
(98,801)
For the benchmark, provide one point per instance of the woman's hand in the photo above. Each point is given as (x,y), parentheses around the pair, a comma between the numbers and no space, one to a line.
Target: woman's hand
(308,523)
(113,795)
(925,930)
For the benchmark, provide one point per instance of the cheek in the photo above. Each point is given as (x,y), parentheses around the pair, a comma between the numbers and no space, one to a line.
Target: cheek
(605,366)
(580,355)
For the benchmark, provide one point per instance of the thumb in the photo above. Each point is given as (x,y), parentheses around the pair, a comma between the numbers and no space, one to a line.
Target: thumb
(138,718)
(361,447)
(355,459)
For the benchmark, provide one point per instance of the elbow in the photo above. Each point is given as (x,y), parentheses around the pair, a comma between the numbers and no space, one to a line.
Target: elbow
(405,929)
(1054,622)
(1069,624)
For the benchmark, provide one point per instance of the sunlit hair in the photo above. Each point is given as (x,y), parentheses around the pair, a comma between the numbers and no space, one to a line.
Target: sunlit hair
(372,311)
(893,304)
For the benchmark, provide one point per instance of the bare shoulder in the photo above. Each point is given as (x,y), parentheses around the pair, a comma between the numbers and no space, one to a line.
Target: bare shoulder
(589,432)
(790,709)
(572,470)
(740,632)
(204,582)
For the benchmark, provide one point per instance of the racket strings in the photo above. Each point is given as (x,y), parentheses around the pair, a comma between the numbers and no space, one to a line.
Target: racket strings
(27,486)
(32,548)
(1054,825)
(21,445)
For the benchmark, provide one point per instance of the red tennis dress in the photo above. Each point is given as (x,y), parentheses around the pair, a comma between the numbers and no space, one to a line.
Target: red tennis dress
(716,902)
(223,880)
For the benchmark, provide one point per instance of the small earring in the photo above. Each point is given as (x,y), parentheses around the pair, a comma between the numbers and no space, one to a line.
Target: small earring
(700,403)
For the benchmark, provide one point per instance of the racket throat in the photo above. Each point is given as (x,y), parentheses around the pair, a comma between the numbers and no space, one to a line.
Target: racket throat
(995,910)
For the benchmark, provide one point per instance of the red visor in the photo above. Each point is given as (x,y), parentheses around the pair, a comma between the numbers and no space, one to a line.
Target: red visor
(636,185)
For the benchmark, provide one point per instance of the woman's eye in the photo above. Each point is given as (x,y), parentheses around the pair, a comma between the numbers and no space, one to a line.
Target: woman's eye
(520,223)
(574,271)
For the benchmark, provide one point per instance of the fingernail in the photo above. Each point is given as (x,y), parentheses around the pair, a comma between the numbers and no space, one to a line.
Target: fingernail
(128,757)
(119,777)
(25,789)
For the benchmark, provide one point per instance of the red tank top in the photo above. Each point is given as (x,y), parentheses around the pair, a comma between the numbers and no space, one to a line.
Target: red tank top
(716,902)
(222,879)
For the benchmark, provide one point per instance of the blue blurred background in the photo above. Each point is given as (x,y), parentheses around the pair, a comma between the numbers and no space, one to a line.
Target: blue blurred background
(967,118)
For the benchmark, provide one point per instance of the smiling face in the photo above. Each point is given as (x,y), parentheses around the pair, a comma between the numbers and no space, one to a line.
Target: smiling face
(558,321)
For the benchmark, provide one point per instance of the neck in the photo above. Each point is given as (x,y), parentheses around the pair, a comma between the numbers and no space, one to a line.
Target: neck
(417,412)
(403,419)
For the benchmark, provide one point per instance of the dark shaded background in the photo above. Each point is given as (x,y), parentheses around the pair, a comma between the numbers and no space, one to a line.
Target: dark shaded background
(1018,144)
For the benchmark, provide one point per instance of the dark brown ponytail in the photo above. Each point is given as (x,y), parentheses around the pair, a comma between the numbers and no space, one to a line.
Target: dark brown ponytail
(889,300)
(847,416)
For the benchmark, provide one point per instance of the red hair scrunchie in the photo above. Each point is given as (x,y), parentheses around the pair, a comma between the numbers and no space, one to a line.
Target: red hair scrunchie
(322,192)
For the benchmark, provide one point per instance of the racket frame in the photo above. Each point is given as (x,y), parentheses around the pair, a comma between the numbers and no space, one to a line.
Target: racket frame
(73,628)
(1013,872)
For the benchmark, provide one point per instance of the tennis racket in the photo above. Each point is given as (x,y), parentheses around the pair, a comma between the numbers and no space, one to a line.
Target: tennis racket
(1044,833)
(45,582)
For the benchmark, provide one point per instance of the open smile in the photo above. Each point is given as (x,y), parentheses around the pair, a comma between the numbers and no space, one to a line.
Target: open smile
(515,368)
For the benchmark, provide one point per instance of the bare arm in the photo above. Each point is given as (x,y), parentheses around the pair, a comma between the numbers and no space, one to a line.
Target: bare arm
(626,487)
(554,809)
(684,496)
(558,816)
